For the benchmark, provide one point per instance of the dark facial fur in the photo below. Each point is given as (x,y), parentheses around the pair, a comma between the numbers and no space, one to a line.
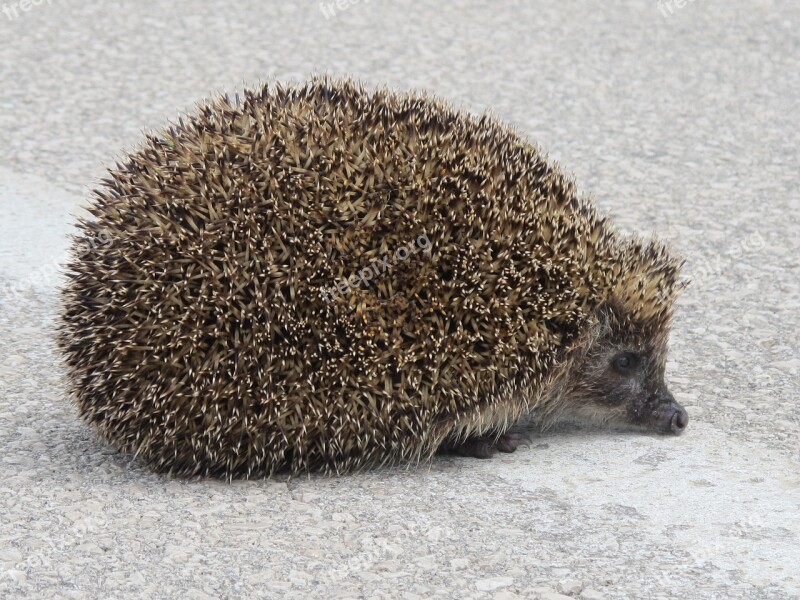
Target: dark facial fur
(616,377)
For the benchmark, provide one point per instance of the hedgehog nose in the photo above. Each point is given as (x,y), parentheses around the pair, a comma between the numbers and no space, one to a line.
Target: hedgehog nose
(670,416)
(679,420)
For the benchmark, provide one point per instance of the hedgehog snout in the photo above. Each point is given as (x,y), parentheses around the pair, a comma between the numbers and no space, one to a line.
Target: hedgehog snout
(670,417)
(679,420)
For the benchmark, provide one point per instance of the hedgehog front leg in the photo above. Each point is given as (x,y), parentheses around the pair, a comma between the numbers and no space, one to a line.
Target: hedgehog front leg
(485,446)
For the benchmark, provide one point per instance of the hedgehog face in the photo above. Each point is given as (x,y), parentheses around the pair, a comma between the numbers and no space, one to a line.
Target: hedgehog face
(618,378)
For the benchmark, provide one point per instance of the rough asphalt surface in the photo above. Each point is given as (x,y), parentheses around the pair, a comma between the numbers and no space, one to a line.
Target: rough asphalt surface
(685,123)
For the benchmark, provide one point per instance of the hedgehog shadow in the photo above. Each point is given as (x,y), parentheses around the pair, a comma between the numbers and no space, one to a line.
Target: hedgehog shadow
(541,438)
(102,462)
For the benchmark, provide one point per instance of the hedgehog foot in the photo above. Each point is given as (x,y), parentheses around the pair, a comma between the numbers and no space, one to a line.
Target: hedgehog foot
(485,447)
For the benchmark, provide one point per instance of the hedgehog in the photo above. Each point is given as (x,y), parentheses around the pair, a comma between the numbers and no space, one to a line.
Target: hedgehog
(328,277)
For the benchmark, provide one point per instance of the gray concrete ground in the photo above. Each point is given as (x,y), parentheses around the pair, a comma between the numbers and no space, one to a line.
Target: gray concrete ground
(680,119)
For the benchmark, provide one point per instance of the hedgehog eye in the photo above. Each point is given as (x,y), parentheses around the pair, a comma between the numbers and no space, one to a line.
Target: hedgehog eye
(625,363)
